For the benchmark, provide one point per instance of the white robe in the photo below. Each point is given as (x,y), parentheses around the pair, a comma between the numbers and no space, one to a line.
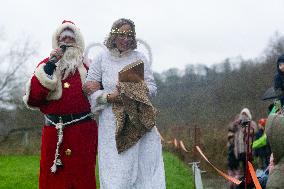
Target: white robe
(141,166)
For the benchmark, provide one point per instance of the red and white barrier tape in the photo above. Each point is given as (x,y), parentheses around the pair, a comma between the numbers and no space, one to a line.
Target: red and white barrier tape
(229,178)
(174,141)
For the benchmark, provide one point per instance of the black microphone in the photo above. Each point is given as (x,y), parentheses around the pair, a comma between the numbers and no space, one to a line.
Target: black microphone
(50,66)
(63,48)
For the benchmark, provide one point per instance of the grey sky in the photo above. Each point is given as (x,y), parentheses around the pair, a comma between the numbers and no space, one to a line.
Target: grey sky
(179,32)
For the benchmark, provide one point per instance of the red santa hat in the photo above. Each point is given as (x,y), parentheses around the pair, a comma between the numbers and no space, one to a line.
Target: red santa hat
(65,29)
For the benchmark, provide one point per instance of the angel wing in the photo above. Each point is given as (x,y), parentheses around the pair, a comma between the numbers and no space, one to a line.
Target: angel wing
(139,41)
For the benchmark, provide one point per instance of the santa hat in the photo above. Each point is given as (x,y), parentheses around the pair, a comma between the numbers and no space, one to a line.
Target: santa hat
(65,29)
(247,112)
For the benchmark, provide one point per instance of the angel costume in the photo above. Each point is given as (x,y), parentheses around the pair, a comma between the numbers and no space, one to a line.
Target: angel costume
(141,166)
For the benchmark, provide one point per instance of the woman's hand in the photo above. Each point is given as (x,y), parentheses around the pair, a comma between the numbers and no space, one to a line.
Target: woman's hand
(113,97)
(90,87)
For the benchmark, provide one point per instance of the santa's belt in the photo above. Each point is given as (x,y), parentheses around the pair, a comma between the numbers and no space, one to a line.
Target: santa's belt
(65,118)
(59,122)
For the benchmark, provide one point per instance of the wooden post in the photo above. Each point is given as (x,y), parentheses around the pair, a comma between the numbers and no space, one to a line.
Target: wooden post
(25,140)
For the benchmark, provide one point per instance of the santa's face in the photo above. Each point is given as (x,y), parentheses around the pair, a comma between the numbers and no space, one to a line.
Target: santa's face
(72,57)
(67,40)
(67,36)
(124,38)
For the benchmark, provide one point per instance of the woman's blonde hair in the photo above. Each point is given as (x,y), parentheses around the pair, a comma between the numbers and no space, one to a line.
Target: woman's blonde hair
(109,42)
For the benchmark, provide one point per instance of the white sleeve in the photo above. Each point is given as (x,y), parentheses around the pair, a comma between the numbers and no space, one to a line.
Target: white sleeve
(95,70)
(148,76)
(98,99)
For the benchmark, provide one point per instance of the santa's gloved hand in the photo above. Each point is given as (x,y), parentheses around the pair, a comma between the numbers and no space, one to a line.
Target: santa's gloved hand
(49,68)
(55,56)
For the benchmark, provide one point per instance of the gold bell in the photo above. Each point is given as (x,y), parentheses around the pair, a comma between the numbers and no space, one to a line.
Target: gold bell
(66,85)
(68,152)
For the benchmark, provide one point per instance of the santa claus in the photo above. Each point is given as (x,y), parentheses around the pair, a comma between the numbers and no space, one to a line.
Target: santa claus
(69,136)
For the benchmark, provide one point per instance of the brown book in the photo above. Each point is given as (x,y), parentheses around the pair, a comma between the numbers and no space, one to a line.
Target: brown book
(133,72)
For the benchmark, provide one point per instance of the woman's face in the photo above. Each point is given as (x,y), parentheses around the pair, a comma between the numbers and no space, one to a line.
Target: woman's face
(124,38)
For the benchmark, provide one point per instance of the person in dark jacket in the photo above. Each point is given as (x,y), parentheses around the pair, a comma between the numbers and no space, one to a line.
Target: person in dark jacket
(232,161)
(279,78)
(261,145)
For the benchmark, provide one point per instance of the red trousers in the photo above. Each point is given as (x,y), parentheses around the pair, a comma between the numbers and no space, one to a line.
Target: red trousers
(78,171)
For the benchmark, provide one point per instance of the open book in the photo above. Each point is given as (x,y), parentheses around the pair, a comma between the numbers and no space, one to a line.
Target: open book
(133,72)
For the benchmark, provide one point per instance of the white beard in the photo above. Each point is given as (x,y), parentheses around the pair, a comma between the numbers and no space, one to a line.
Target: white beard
(70,61)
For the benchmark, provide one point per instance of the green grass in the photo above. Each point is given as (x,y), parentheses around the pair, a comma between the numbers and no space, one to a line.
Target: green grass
(21,172)
(178,175)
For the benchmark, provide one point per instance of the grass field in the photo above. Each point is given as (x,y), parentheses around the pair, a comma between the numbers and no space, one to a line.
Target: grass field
(21,172)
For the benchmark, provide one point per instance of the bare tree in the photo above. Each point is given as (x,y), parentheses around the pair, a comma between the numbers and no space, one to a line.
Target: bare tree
(12,67)
(13,58)
(274,49)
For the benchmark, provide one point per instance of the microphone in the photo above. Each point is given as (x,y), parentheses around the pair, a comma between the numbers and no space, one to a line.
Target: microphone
(63,48)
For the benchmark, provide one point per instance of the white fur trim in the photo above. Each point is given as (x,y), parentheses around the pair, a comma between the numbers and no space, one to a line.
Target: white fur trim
(44,80)
(53,84)
(78,36)
(98,101)
(27,95)
(83,73)
(102,99)
(57,92)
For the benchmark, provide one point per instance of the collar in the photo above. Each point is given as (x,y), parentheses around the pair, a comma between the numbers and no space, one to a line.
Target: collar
(116,53)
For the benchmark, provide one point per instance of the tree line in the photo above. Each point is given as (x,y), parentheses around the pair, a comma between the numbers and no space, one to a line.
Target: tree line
(213,95)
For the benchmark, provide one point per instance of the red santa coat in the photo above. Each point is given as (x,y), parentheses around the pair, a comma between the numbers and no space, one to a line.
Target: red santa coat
(62,97)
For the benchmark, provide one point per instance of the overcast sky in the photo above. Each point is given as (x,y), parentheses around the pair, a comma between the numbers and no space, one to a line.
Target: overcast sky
(179,31)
